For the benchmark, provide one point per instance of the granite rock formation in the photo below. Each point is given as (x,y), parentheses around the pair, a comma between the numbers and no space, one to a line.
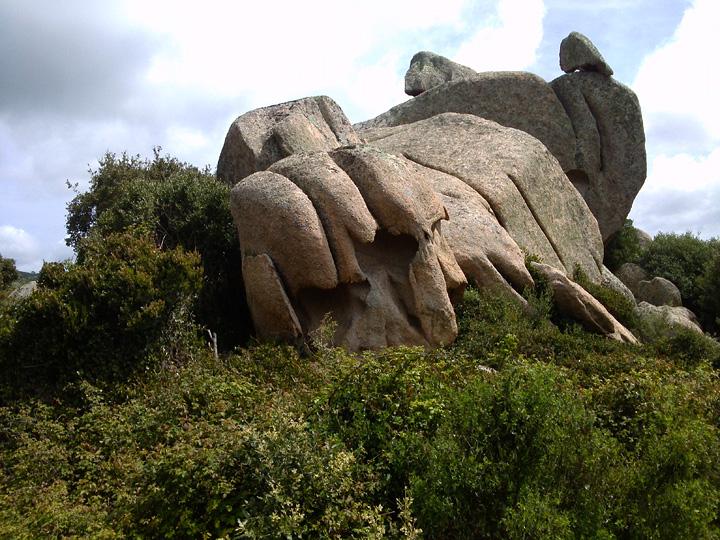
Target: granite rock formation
(667,317)
(383,228)
(428,69)
(576,302)
(590,122)
(577,53)
(659,291)
(610,161)
(259,138)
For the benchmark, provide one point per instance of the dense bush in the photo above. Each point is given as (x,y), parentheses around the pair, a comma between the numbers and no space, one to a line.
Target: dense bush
(710,299)
(178,205)
(573,436)
(622,247)
(124,306)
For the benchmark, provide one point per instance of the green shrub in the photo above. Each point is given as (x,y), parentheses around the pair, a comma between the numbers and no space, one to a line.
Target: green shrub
(195,452)
(8,272)
(709,300)
(493,328)
(619,306)
(623,247)
(683,259)
(179,206)
(123,307)
(516,452)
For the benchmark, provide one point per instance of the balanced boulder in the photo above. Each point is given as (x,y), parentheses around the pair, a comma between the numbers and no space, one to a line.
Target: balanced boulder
(428,70)
(577,53)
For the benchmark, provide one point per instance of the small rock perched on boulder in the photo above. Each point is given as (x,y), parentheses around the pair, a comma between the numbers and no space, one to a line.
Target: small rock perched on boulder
(428,69)
(577,53)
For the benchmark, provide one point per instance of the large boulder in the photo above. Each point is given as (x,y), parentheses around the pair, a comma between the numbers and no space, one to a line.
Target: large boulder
(610,161)
(511,98)
(661,321)
(631,275)
(355,233)
(577,53)
(659,291)
(24,291)
(428,70)
(579,304)
(261,137)
(521,188)
(384,236)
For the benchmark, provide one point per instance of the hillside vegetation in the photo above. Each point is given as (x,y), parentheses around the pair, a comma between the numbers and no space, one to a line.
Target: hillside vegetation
(117,420)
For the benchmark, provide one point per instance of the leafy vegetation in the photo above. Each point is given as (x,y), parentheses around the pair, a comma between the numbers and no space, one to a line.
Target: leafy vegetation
(116,312)
(570,436)
(117,421)
(624,246)
(8,272)
(690,262)
(686,260)
(177,205)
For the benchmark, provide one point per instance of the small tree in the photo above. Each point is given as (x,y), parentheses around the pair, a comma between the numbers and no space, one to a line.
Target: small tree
(8,272)
(623,247)
(177,205)
(103,318)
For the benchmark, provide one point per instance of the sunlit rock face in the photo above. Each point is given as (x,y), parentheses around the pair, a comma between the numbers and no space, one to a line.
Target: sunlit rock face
(382,225)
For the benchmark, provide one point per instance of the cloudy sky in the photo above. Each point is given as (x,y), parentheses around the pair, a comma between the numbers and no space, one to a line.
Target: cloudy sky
(80,78)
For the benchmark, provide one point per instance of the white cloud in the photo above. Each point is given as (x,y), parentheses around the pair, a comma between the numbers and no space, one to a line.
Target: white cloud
(677,87)
(17,244)
(511,40)
(680,78)
(681,194)
(175,73)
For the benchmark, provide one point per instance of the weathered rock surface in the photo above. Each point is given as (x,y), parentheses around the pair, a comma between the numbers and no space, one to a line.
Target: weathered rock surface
(511,98)
(23,291)
(458,184)
(382,236)
(610,160)
(355,233)
(659,291)
(428,70)
(270,308)
(664,319)
(339,204)
(576,302)
(261,137)
(577,52)
(643,238)
(276,218)
(517,178)
(631,275)
(611,281)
